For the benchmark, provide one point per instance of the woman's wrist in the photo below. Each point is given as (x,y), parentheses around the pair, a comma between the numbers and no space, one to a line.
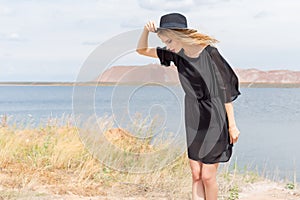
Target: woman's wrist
(146,29)
(233,126)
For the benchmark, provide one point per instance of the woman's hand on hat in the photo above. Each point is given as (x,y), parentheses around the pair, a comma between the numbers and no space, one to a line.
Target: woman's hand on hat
(150,26)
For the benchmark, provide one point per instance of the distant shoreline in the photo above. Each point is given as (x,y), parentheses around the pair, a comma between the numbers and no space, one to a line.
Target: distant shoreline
(242,85)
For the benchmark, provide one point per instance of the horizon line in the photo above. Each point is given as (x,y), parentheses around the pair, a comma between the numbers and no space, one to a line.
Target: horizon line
(95,83)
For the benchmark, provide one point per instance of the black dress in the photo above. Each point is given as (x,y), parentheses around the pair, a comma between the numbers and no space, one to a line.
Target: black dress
(208,82)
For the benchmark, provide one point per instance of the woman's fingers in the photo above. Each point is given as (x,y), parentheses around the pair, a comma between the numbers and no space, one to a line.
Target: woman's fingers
(234,135)
(230,139)
(150,26)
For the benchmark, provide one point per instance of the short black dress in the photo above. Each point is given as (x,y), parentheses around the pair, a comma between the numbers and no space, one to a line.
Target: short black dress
(208,82)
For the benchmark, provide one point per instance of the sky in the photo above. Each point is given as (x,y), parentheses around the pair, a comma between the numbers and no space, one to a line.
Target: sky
(50,40)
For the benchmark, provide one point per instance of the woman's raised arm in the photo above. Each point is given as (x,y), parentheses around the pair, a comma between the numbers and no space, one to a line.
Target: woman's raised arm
(142,47)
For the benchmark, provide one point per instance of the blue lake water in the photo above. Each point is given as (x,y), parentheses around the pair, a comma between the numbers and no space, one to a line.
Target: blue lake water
(268,118)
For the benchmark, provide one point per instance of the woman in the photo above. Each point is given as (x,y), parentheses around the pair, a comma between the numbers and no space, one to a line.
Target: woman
(210,86)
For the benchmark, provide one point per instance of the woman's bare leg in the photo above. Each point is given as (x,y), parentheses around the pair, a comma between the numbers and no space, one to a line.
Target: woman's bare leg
(209,180)
(197,185)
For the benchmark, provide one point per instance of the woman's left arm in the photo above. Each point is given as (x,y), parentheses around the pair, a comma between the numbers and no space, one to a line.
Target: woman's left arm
(233,130)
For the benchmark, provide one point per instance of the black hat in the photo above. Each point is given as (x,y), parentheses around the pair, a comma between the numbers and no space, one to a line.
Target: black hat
(172,21)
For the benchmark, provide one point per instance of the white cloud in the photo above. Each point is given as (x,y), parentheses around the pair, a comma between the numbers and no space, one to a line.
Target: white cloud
(262,14)
(178,5)
(14,37)
(5,10)
(133,22)
(92,43)
(209,2)
(167,5)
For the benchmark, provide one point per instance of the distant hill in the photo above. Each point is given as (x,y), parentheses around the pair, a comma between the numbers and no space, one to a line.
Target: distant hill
(146,73)
(160,74)
(272,76)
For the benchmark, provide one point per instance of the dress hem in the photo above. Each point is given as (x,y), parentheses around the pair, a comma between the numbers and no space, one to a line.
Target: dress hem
(222,161)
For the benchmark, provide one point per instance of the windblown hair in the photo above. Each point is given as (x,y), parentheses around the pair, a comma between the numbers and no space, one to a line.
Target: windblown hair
(188,36)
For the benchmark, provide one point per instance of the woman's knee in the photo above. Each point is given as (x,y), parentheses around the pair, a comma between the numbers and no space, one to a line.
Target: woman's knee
(196,175)
(208,177)
(196,170)
(209,173)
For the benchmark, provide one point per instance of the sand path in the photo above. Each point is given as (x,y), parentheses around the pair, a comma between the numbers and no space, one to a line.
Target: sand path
(268,191)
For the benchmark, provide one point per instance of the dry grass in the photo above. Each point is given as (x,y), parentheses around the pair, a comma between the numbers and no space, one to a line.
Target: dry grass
(51,160)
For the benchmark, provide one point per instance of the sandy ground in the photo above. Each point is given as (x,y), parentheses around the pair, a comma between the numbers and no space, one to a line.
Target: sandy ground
(268,191)
(257,191)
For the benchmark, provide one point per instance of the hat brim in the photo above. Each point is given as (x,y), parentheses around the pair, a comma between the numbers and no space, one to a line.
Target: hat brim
(175,28)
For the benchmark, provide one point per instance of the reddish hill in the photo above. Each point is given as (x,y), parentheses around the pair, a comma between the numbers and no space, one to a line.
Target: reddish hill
(272,76)
(146,73)
(160,74)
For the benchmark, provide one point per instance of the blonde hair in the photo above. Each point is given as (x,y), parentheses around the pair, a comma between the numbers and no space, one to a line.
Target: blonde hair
(188,36)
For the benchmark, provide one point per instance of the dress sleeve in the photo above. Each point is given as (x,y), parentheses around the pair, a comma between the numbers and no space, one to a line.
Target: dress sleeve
(229,83)
(165,56)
